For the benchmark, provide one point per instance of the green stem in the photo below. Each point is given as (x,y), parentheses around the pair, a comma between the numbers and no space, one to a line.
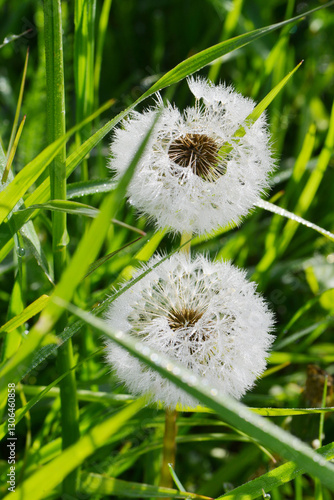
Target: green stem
(169,448)
(185,238)
(56,129)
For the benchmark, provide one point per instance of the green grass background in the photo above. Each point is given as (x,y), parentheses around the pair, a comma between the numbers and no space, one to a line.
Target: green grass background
(117,51)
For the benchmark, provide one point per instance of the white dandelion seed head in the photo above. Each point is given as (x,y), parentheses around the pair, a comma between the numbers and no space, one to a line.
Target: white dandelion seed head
(204,315)
(183,180)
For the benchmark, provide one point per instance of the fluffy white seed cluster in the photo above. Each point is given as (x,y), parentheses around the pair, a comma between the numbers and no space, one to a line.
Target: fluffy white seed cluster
(203,314)
(196,173)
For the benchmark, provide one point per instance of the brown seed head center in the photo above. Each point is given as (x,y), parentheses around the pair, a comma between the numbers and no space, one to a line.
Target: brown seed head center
(200,153)
(183,318)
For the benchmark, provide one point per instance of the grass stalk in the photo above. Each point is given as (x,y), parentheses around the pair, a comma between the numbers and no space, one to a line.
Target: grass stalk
(56,129)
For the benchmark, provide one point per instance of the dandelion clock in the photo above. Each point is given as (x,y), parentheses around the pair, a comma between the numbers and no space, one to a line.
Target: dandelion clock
(204,315)
(196,174)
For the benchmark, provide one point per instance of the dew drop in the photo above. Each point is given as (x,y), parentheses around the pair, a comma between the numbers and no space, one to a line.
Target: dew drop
(21,251)
(155,358)
(214,392)
(119,335)
(176,371)
(192,380)
(265,495)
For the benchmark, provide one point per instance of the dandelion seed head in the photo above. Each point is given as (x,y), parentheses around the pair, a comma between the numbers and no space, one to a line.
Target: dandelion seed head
(195,172)
(205,316)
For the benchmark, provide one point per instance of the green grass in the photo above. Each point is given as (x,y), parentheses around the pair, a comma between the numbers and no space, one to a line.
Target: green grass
(79,434)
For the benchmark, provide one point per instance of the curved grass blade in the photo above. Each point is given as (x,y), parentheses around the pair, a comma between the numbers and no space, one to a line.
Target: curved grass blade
(289,215)
(34,245)
(84,188)
(262,106)
(75,208)
(13,151)
(29,312)
(231,411)
(257,111)
(105,259)
(276,477)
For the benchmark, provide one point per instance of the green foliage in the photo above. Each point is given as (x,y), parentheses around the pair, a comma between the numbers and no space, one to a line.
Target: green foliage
(121,53)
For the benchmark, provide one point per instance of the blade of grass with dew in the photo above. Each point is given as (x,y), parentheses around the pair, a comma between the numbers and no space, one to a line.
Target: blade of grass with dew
(274,231)
(79,189)
(231,411)
(75,208)
(50,475)
(295,219)
(312,185)
(85,254)
(304,202)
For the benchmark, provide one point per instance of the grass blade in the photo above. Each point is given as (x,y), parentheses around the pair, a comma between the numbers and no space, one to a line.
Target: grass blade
(293,218)
(12,151)
(29,312)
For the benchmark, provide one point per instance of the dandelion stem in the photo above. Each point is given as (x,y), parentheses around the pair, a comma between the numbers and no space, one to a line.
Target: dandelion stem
(169,448)
(185,240)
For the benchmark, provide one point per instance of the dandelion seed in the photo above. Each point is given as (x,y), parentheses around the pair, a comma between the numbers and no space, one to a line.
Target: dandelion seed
(204,315)
(195,173)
